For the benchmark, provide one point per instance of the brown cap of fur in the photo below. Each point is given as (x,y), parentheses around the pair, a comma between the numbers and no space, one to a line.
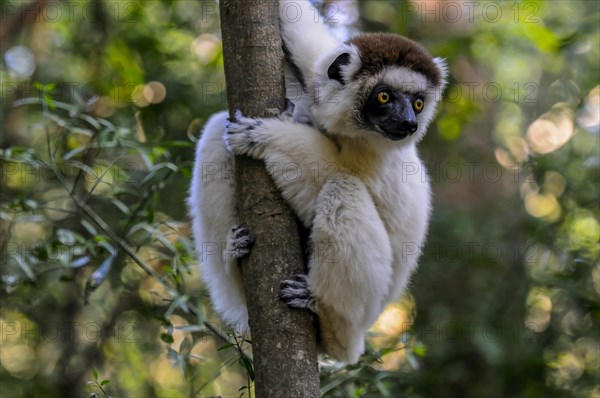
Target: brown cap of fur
(379,50)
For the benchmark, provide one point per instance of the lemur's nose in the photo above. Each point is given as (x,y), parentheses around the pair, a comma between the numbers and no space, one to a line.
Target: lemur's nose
(409,126)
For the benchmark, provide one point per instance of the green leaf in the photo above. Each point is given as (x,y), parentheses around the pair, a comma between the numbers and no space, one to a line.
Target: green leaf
(172,355)
(385,351)
(167,338)
(178,144)
(155,170)
(121,206)
(74,152)
(420,349)
(186,346)
(89,227)
(66,236)
(246,363)
(92,121)
(190,328)
(226,347)
(95,373)
(98,276)
(104,382)
(25,268)
(149,213)
(80,262)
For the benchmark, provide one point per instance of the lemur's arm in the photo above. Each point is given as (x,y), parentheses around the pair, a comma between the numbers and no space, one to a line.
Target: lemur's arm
(298,157)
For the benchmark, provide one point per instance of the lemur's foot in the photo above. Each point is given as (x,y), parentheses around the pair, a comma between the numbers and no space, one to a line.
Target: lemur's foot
(239,242)
(240,136)
(296,293)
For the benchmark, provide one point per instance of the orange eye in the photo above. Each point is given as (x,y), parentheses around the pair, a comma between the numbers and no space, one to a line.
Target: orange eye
(383,97)
(418,104)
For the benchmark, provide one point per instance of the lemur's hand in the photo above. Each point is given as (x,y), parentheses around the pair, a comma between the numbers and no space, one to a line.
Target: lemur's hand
(241,136)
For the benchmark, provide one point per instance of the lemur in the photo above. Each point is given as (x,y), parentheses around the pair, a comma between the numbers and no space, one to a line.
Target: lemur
(369,102)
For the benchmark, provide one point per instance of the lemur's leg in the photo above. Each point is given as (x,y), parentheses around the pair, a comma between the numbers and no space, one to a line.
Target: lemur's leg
(296,293)
(239,242)
(351,265)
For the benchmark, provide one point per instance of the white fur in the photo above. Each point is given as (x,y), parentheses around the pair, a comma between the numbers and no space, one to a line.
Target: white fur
(365,198)
(367,210)
(212,209)
(300,19)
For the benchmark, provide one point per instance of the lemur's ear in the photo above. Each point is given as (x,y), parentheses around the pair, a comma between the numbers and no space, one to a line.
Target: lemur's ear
(334,72)
(443,68)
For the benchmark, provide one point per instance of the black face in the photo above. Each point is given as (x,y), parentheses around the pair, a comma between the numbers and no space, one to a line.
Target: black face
(393,112)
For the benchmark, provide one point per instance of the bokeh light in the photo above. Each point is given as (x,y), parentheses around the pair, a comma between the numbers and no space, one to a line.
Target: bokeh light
(20,61)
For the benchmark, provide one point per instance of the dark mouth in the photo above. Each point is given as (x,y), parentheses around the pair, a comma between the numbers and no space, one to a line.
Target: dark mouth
(394,135)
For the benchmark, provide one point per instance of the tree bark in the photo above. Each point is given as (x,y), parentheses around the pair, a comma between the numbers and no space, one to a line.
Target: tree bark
(283,340)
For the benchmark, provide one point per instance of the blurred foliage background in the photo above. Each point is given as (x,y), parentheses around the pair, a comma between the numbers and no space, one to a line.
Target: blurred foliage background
(102,101)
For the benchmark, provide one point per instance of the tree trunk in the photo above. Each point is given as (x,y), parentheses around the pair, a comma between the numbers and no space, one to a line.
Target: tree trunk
(283,340)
